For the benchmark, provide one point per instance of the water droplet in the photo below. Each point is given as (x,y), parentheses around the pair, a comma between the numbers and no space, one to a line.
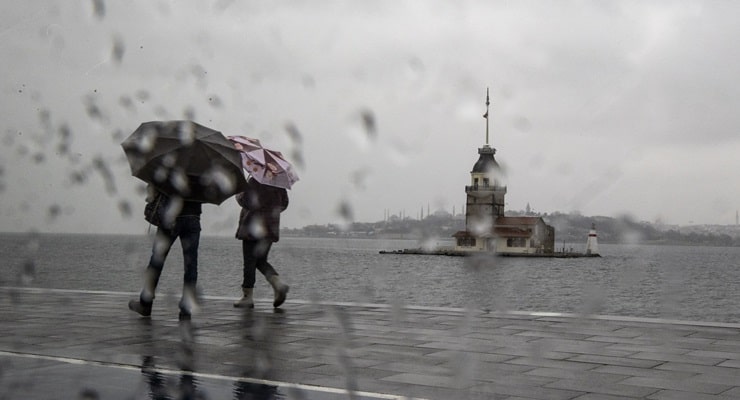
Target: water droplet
(98,8)
(93,110)
(142,95)
(89,394)
(55,210)
(126,102)
(101,166)
(359,177)
(118,50)
(125,208)
(189,113)
(186,132)
(215,101)
(28,272)
(293,133)
(369,123)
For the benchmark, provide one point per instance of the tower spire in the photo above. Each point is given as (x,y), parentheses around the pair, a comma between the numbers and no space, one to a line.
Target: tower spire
(488,102)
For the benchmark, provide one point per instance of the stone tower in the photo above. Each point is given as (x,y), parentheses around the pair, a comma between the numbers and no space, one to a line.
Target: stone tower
(485,195)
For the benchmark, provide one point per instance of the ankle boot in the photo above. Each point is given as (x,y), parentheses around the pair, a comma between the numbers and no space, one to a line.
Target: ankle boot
(144,309)
(143,306)
(189,301)
(246,300)
(151,278)
(280,289)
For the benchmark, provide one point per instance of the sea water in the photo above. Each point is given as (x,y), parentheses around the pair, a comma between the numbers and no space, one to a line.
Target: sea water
(674,282)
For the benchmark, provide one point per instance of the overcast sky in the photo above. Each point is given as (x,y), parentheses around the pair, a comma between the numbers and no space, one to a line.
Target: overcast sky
(606,108)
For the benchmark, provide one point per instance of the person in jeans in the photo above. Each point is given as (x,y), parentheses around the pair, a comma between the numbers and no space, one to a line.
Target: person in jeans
(259,228)
(181,219)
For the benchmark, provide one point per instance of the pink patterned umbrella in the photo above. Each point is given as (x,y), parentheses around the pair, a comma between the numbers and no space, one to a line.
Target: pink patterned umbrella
(267,166)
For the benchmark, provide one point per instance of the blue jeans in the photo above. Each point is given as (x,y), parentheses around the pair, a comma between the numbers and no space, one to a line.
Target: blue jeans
(255,258)
(187,228)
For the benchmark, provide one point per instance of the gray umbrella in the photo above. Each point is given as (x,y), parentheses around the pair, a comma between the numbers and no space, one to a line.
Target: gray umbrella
(185,159)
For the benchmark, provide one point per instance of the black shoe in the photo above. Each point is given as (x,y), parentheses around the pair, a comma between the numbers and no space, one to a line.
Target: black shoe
(184,316)
(185,311)
(280,296)
(142,308)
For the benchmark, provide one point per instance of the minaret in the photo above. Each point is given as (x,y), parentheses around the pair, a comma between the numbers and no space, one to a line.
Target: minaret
(592,245)
(485,198)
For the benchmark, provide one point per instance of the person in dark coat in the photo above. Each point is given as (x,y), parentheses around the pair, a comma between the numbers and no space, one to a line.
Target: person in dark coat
(181,219)
(259,228)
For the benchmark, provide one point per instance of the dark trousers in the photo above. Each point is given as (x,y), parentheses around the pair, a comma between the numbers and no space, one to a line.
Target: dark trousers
(255,258)
(187,228)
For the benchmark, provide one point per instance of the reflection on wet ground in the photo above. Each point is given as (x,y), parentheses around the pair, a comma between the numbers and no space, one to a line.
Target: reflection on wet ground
(87,345)
(33,378)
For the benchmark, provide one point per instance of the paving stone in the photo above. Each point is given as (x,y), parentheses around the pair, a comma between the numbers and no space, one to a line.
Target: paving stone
(677,384)
(516,379)
(442,381)
(714,354)
(648,348)
(529,392)
(676,358)
(445,355)
(627,362)
(734,392)
(730,364)
(541,362)
(616,389)
(589,376)
(485,369)
(679,395)
(396,367)
(599,396)
(554,335)
(644,372)
(703,373)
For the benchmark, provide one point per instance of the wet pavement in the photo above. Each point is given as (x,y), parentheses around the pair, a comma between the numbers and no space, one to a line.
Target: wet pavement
(88,345)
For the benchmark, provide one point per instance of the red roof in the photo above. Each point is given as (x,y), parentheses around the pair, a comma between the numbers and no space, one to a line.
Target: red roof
(512,232)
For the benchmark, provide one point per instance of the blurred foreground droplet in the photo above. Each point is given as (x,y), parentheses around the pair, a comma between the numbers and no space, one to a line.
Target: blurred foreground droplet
(126,102)
(593,300)
(93,110)
(89,394)
(98,8)
(363,128)
(186,132)
(118,50)
(28,272)
(54,211)
(368,122)
(293,133)
(125,208)
(344,210)
(101,166)
(359,177)
(215,101)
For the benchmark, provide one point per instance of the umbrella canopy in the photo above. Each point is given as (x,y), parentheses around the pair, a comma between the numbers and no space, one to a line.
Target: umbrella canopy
(185,159)
(267,166)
